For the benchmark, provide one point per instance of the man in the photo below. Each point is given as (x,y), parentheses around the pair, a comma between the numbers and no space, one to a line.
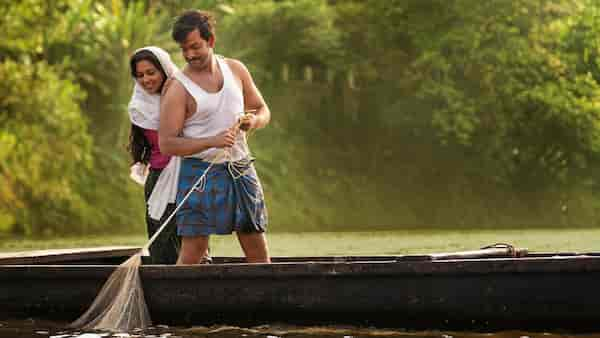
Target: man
(202,121)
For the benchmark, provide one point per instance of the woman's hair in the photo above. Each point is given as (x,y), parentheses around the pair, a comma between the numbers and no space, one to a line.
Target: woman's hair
(139,148)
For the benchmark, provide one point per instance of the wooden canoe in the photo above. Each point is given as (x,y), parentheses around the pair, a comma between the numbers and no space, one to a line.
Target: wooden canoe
(494,288)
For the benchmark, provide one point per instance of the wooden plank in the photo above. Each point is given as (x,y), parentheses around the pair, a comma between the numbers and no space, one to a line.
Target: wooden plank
(83,255)
(506,293)
(319,270)
(491,252)
(66,255)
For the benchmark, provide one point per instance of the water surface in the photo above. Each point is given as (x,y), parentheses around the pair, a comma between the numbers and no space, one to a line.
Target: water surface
(32,328)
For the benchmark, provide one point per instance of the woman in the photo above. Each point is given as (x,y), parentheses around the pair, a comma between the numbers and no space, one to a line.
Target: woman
(150,68)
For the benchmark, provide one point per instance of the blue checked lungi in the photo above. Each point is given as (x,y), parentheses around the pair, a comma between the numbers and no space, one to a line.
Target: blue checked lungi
(227,201)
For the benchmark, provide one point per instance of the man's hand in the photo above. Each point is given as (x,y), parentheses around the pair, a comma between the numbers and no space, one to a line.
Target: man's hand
(224,139)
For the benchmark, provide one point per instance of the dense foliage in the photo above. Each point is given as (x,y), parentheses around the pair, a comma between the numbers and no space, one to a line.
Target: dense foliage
(386,114)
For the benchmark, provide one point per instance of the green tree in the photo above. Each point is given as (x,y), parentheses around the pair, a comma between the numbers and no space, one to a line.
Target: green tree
(45,145)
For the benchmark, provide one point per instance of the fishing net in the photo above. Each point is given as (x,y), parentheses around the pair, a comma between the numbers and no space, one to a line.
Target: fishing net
(120,305)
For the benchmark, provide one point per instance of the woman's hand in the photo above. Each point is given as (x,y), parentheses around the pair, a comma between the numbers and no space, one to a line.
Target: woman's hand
(248,121)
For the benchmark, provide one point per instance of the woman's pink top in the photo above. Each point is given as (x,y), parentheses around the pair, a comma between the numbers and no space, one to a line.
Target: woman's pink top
(157,160)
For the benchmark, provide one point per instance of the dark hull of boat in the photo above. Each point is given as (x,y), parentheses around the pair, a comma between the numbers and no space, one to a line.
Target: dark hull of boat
(537,292)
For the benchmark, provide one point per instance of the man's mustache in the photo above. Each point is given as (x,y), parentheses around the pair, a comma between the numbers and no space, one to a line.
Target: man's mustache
(194,59)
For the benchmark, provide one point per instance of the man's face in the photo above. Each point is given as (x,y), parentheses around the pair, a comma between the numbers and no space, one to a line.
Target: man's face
(197,51)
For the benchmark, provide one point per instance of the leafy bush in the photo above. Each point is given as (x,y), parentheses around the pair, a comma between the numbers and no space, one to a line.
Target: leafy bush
(45,143)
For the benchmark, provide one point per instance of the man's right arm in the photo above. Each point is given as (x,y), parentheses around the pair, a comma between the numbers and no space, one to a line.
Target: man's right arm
(172,119)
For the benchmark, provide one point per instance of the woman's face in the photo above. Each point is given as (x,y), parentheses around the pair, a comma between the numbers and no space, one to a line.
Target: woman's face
(148,76)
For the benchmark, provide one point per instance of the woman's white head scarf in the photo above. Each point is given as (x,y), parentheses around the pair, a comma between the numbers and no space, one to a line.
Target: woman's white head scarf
(144,107)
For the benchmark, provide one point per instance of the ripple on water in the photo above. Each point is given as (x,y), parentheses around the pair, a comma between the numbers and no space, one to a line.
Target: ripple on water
(37,328)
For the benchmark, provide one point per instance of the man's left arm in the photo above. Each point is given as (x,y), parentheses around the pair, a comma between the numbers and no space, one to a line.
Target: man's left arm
(260,115)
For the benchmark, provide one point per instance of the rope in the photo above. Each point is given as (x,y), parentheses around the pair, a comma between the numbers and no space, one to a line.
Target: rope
(120,305)
(510,247)
(199,185)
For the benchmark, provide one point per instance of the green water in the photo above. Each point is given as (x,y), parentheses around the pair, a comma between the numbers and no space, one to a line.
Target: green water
(354,243)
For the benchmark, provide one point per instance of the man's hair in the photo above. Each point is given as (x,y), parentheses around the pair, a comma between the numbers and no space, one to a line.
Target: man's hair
(190,20)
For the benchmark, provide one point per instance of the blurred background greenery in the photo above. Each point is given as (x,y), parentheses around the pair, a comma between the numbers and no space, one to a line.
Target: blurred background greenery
(387,115)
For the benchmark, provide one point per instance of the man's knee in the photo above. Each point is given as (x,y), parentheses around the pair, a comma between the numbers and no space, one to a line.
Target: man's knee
(193,249)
